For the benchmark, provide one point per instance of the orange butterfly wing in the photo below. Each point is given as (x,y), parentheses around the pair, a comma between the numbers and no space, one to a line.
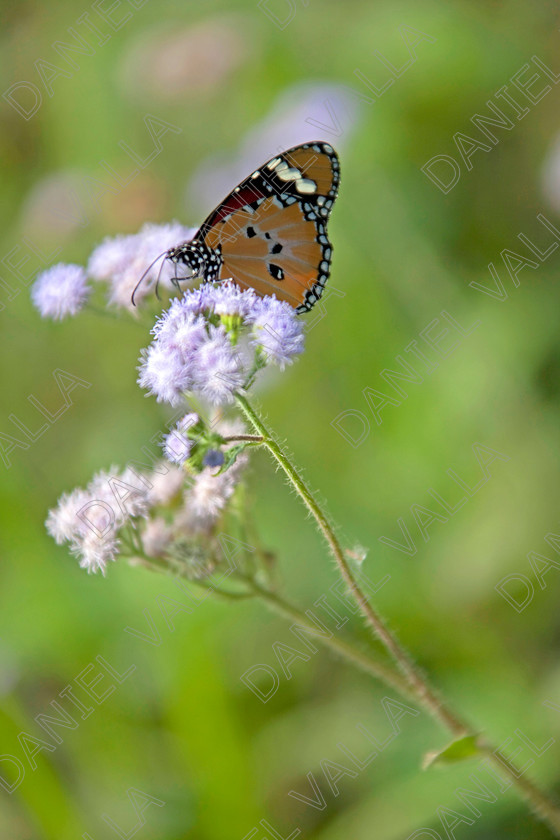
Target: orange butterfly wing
(271,230)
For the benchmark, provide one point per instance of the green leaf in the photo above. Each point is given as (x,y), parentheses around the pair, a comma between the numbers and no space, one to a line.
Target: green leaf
(460,750)
(231,456)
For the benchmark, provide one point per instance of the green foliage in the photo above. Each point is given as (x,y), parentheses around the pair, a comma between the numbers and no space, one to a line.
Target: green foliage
(183,727)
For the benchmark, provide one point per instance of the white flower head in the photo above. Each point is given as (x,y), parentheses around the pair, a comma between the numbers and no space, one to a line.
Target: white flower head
(124,260)
(95,552)
(165,485)
(62,523)
(60,291)
(90,520)
(207,497)
(156,536)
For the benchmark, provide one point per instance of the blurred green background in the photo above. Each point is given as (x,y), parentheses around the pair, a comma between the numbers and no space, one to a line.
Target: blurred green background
(183,727)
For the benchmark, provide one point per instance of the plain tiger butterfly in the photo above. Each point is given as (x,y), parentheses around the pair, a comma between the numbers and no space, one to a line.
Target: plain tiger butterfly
(270,233)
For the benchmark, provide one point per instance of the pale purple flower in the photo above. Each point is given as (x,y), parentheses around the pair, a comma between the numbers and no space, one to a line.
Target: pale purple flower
(163,373)
(89,520)
(130,490)
(112,257)
(62,523)
(122,260)
(60,291)
(182,333)
(156,537)
(200,344)
(95,552)
(177,445)
(188,421)
(277,330)
(218,370)
(165,485)
(208,496)
(193,302)
(227,299)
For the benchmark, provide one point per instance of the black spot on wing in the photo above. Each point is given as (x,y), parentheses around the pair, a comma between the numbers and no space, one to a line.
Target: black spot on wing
(275,271)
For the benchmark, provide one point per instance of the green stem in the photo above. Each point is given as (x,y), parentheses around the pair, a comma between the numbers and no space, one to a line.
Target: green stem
(166,567)
(414,682)
(542,805)
(242,438)
(417,683)
(378,670)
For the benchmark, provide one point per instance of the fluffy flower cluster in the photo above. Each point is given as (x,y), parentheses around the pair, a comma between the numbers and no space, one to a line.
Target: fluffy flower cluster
(177,445)
(121,261)
(206,498)
(160,510)
(214,339)
(90,520)
(60,291)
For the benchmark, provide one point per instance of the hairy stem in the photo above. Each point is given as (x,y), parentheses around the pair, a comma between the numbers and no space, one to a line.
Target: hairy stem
(542,805)
(342,648)
(242,438)
(415,681)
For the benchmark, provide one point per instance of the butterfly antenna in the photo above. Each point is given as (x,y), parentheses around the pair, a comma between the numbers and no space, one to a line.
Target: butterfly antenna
(144,275)
(159,278)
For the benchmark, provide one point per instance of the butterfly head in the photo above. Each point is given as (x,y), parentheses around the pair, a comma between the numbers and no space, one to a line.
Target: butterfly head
(195,260)
(182,258)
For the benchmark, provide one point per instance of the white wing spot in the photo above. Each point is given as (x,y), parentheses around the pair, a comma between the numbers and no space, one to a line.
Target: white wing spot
(288,174)
(306,186)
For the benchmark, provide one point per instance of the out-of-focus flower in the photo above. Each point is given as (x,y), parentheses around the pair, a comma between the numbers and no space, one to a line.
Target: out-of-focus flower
(193,60)
(61,522)
(166,482)
(208,496)
(56,207)
(60,291)
(177,445)
(123,260)
(89,520)
(550,175)
(305,112)
(156,536)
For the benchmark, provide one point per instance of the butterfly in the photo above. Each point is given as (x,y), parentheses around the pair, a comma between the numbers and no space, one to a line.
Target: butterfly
(270,233)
